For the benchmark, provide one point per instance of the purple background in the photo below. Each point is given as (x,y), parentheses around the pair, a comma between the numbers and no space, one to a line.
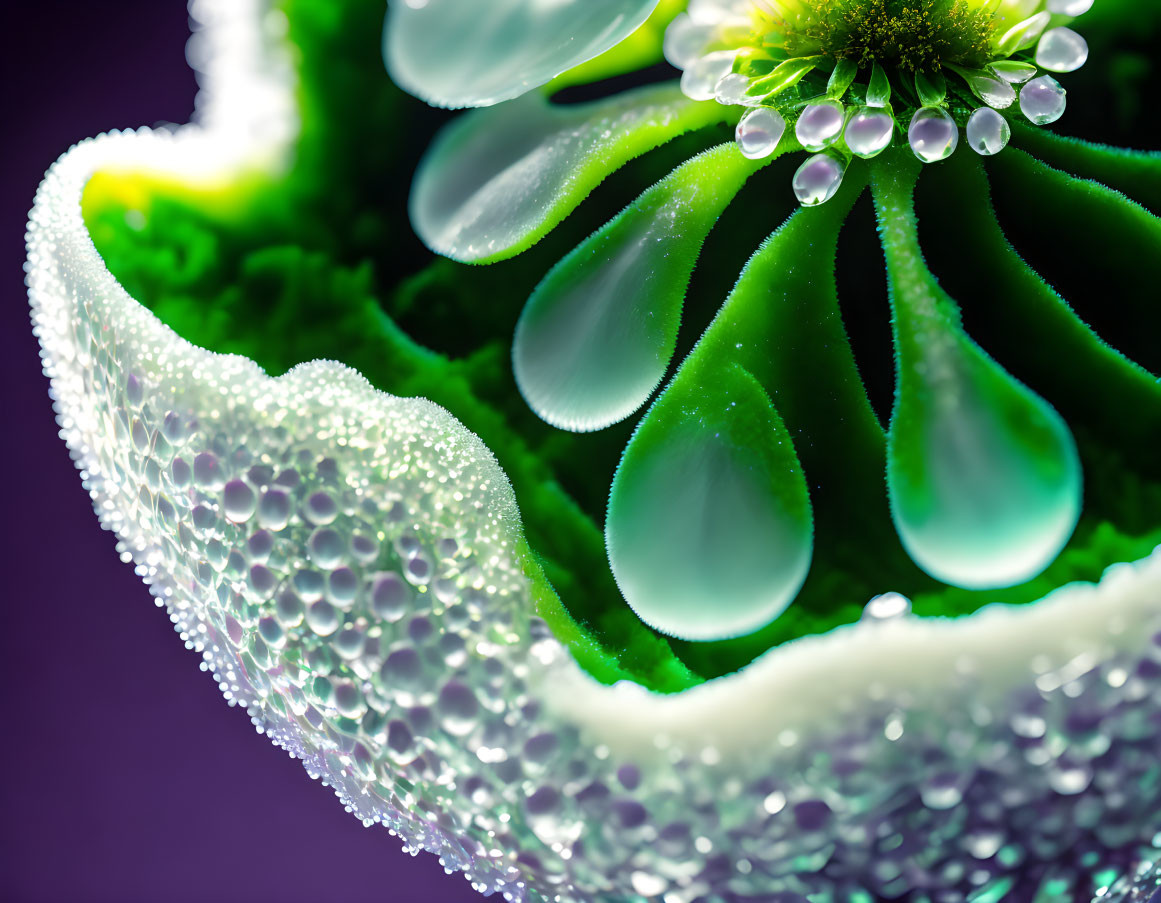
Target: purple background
(125,775)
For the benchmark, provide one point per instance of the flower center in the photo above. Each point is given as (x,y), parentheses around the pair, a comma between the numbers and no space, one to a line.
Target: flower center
(851,74)
(908,34)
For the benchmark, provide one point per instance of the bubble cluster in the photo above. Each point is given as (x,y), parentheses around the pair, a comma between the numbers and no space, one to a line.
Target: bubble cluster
(348,567)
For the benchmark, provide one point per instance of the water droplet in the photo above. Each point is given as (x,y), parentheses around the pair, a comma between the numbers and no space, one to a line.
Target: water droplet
(322,618)
(759,132)
(700,80)
(819,125)
(731,90)
(869,131)
(818,179)
(887,607)
(1069,7)
(326,548)
(933,134)
(238,501)
(321,509)
(709,503)
(458,708)
(1061,50)
(207,472)
(1013,72)
(1043,100)
(995,92)
(988,132)
(390,597)
(274,509)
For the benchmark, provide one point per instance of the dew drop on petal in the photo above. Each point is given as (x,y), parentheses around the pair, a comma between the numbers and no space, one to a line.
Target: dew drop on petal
(988,132)
(1061,50)
(818,179)
(759,132)
(869,131)
(1069,7)
(700,81)
(731,90)
(933,134)
(1013,72)
(1043,100)
(820,125)
(995,92)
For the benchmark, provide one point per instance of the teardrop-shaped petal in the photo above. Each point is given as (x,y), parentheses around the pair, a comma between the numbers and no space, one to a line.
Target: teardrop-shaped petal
(983,474)
(497,181)
(598,333)
(472,53)
(710,531)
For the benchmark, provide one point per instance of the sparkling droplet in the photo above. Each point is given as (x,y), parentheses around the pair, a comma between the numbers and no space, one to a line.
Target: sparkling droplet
(390,597)
(274,509)
(819,125)
(732,90)
(700,81)
(818,179)
(933,134)
(759,132)
(995,92)
(1061,50)
(1043,100)
(1013,72)
(238,501)
(709,501)
(988,132)
(1069,7)
(869,131)
(887,607)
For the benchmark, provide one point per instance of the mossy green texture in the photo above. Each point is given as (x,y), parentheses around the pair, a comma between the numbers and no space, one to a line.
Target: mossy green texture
(321,264)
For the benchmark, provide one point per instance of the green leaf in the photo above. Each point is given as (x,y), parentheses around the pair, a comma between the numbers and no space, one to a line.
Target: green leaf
(844,73)
(879,87)
(785,75)
(496,181)
(598,333)
(1135,173)
(931,88)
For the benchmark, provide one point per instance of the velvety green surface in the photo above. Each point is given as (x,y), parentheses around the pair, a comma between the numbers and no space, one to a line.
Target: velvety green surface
(323,264)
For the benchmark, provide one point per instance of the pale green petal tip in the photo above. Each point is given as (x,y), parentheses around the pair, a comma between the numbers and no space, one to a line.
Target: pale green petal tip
(471,53)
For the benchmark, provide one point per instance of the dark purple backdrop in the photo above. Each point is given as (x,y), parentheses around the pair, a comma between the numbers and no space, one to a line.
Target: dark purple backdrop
(125,776)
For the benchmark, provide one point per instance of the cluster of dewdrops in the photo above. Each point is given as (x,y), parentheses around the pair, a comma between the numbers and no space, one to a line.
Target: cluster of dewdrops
(709,40)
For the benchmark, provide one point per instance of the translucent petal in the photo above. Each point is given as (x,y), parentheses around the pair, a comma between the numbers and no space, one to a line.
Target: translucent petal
(598,333)
(496,181)
(710,528)
(984,475)
(468,53)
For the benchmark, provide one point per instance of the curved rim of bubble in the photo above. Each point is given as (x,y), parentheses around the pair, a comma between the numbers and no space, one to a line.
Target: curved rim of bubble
(785,693)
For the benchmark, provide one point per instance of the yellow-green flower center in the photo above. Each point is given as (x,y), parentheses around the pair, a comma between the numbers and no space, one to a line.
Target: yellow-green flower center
(917,35)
